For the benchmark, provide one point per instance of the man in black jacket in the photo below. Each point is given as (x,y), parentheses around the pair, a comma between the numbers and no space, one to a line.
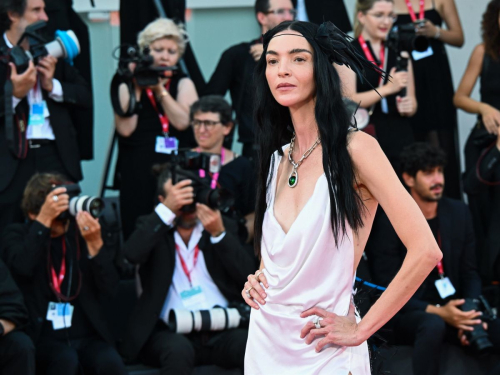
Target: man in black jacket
(37,132)
(237,64)
(17,353)
(434,313)
(64,272)
(190,261)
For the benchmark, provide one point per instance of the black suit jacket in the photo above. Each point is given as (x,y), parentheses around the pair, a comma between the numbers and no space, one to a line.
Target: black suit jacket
(12,306)
(76,95)
(152,246)
(319,11)
(24,248)
(386,252)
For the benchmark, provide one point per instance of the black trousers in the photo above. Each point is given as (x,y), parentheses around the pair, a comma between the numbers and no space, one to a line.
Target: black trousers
(179,354)
(427,333)
(43,160)
(17,354)
(89,356)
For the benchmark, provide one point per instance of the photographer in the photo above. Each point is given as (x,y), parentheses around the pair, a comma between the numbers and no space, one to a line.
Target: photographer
(187,260)
(234,72)
(482,150)
(17,353)
(163,113)
(211,120)
(436,119)
(45,99)
(434,314)
(393,101)
(64,273)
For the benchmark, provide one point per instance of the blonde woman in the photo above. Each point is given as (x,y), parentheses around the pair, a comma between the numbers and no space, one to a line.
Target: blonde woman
(164,108)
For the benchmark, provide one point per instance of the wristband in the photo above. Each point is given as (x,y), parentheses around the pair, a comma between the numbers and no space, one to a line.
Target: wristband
(438,32)
(163,94)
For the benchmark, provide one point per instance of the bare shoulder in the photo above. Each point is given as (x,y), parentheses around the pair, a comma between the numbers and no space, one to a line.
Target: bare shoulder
(361,144)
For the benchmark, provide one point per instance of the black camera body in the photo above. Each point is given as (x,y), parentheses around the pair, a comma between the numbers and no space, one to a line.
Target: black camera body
(186,165)
(478,338)
(77,202)
(405,38)
(145,73)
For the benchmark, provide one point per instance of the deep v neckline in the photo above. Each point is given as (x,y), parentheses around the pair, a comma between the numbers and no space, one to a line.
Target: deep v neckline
(274,188)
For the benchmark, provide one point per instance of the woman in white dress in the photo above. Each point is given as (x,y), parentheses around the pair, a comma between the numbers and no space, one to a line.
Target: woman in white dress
(310,231)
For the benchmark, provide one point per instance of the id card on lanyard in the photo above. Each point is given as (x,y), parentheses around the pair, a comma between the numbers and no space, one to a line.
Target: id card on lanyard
(369,56)
(444,286)
(215,176)
(428,52)
(165,144)
(194,296)
(38,107)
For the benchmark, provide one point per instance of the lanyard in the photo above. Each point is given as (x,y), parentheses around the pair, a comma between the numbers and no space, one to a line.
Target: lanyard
(215,176)
(412,12)
(369,56)
(440,263)
(163,117)
(183,263)
(57,280)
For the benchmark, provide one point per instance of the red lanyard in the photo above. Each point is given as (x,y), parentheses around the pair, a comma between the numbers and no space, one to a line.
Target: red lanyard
(215,176)
(369,56)
(183,263)
(163,117)
(440,263)
(412,12)
(57,280)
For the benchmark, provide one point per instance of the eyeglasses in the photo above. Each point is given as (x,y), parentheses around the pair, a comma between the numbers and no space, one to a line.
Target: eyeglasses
(380,16)
(209,125)
(281,12)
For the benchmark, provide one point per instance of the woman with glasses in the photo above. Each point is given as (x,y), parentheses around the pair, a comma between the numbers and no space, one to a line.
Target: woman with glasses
(211,118)
(390,101)
(160,124)
(436,118)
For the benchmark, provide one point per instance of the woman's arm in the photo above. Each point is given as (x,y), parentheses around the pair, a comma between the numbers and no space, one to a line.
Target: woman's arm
(454,34)
(177,110)
(125,126)
(490,115)
(405,216)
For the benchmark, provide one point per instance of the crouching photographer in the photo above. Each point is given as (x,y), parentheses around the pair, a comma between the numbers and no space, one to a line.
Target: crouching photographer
(64,272)
(190,259)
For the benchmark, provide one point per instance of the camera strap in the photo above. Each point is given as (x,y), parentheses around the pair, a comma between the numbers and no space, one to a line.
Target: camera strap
(412,12)
(369,56)
(165,123)
(57,280)
(215,176)
(439,266)
(186,270)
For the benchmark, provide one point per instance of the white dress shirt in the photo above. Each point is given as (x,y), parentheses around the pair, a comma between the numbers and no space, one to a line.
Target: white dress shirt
(199,274)
(301,11)
(43,131)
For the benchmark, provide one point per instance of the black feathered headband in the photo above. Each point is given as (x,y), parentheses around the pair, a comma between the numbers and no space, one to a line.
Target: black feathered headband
(337,46)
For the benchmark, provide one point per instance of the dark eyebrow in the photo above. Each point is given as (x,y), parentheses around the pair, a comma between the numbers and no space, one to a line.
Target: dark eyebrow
(295,50)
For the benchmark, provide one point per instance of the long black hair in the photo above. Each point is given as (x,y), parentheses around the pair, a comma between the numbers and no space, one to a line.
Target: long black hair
(274,124)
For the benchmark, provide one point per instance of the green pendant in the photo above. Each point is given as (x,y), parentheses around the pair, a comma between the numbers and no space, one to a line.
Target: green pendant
(293,179)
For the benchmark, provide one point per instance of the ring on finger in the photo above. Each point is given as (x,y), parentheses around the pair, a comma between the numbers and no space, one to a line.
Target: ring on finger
(317,321)
(247,291)
(258,274)
(85,228)
(55,198)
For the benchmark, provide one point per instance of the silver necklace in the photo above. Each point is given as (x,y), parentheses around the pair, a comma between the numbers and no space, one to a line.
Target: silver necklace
(293,179)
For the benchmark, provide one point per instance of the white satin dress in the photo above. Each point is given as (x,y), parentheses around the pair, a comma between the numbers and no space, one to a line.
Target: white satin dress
(304,269)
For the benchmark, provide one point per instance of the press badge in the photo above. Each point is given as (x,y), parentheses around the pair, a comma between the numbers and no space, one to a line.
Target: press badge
(166,145)
(60,314)
(38,113)
(445,287)
(192,297)
(422,55)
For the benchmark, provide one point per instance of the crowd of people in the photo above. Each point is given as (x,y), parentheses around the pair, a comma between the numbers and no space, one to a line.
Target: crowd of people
(191,253)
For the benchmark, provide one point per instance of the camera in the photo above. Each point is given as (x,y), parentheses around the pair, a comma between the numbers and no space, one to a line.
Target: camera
(186,165)
(144,74)
(215,319)
(404,38)
(77,202)
(478,338)
(65,45)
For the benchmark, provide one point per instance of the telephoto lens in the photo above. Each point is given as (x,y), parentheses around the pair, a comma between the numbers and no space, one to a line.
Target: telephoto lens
(215,319)
(478,338)
(92,205)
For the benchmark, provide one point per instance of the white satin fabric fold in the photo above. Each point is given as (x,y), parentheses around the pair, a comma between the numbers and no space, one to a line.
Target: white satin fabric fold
(304,269)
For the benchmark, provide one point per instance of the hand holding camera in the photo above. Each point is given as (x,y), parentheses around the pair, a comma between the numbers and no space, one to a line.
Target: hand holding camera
(397,82)
(46,68)
(210,219)
(90,229)
(490,117)
(178,195)
(24,82)
(454,316)
(426,28)
(55,204)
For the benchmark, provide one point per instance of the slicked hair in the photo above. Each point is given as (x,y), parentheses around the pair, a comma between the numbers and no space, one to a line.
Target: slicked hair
(13,6)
